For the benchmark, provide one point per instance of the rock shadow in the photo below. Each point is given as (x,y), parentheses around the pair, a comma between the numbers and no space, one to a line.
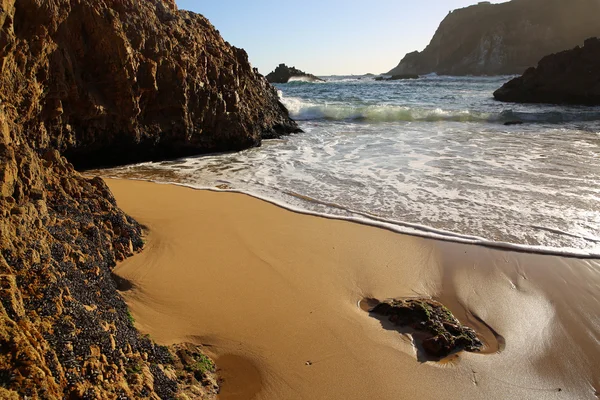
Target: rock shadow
(123,285)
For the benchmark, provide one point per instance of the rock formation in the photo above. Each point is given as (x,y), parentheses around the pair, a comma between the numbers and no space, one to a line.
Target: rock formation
(102,82)
(398,77)
(445,335)
(506,38)
(283,74)
(126,81)
(569,77)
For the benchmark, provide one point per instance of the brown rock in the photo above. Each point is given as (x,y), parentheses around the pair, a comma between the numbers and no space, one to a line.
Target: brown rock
(124,81)
(8,178)
(101,82)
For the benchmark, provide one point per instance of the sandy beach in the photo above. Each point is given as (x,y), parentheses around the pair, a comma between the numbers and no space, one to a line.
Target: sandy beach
(273,296)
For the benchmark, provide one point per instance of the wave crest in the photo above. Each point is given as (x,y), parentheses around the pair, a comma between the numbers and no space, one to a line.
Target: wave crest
(306,111)
(302,110)
(304,79)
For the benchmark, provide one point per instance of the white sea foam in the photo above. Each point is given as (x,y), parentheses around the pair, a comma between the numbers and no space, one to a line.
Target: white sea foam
(304,79)
(304,111)
(392,225)
(401,156)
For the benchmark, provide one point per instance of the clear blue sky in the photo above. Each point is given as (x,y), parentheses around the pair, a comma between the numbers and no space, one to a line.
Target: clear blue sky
(326,37)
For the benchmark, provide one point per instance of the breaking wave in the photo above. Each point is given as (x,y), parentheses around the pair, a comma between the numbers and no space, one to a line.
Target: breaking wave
(456,174)
(304,79)
(302,110)
(306,111)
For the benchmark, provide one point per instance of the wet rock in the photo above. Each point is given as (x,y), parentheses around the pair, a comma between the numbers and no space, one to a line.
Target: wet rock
(133,81)
(403,77)
(569,77)
(398,77)
(445,334)
(283,74)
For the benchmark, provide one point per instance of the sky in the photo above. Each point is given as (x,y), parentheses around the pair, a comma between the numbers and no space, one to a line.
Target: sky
(326,37)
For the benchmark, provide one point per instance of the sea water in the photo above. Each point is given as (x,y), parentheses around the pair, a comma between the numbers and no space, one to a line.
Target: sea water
(431,157)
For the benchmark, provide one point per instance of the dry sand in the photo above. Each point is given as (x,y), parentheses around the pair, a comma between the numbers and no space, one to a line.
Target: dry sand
(268,291)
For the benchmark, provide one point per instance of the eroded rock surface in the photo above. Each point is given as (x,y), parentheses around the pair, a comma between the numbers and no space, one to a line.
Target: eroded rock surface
(101,82)
(445,333)
(125,81)
(283,74)
(569,77)
(503,39)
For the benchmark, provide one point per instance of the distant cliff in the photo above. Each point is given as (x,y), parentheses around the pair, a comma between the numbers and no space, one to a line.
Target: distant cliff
(569,77)
(502,39)
(283,74)
(98,82)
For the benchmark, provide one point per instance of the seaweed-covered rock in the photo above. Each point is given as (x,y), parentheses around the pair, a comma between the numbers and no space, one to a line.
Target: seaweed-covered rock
(283,74)
(196,372)
(445,333)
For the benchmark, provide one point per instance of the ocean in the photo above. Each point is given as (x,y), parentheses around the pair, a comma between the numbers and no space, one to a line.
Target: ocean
(430,157)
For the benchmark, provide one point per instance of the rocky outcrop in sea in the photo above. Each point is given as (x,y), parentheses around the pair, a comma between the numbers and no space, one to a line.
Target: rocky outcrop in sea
(283,74)
(569,77)
(503,39)
(398,77)
(102,82)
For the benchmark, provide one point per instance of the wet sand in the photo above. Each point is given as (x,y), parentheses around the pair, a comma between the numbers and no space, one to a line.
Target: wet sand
(274,297)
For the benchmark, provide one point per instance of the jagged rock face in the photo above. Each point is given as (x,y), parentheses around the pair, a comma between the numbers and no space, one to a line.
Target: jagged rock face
(569,77)
(121,81)
(102,82)
(283,74)
(503,39)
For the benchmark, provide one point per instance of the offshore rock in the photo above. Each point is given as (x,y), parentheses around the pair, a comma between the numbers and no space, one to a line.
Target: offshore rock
(398,77)
(102,82)
(445,334)
(402,77)
(503,39)
(283,74)
(569,77)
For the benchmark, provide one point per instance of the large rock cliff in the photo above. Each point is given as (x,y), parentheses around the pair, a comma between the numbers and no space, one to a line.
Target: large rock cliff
(102,82)
(123,81)
(569,77)
(503,39)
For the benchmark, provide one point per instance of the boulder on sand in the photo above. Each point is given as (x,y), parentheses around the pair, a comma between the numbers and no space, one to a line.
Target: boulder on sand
(445,334)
